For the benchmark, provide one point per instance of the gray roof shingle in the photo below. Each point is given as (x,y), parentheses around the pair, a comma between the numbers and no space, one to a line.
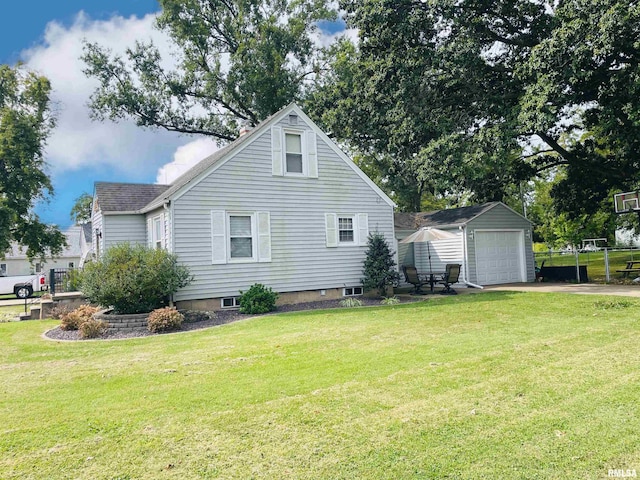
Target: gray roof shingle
(440,218)
(126,197)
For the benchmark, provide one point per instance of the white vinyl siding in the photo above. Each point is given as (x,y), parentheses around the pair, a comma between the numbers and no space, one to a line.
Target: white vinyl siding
(299,213)
(122,229)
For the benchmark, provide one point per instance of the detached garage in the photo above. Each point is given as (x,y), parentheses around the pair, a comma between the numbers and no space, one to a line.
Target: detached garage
(493,243)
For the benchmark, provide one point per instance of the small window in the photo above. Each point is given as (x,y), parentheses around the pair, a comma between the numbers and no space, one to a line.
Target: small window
(230,302)
(345,229)
(71,265)
(157,232)
(240,236)
(352,291)
(293,144)
(3,269)
(38,268)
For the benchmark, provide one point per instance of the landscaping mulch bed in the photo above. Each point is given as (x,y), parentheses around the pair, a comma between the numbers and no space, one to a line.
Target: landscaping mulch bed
(220,318)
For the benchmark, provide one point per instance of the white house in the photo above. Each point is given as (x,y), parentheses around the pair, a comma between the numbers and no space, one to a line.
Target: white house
(282,206)
(493,243)
(17,263)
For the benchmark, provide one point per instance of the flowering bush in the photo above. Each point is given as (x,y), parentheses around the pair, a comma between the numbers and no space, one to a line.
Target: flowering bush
(164,319)
(75,318)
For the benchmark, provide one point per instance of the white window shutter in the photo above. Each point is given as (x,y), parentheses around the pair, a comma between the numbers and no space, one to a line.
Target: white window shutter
(218,237)
(363,228)
(331,224)
(312,154)
(264,237)
(149,233)
(276,151)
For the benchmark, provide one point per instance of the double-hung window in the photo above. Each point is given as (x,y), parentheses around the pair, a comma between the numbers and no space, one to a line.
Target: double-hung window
(345,230)
(157,232)
(240,236)
(241,243)
(293,153)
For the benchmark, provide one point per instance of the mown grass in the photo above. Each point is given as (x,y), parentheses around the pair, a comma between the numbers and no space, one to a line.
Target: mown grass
(9,313)
(493,385)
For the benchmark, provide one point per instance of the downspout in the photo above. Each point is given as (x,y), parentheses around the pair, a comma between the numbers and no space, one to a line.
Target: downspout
(465,270)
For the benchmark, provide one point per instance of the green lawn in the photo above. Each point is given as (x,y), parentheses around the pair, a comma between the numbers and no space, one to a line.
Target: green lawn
(491,385)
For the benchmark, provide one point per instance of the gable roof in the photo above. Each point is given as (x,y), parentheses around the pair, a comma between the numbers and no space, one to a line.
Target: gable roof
(450,217)
(126,197)
(205,166)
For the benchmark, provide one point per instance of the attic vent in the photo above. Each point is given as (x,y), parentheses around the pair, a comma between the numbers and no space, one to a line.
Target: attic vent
(293,119)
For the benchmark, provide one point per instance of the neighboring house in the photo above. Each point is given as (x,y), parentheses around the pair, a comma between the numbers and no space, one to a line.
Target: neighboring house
(493,245)
(282,206)
(86,241)
(17,263)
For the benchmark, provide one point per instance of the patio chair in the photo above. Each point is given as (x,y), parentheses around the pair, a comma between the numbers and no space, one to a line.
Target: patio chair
(451,276)
(411,276)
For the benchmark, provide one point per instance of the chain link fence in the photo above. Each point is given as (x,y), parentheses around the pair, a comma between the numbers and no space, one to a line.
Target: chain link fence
(603,265)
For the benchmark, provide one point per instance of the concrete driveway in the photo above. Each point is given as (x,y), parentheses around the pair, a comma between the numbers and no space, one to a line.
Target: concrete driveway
(579,288)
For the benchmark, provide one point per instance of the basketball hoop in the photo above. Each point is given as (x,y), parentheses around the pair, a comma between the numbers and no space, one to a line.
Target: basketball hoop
(627,202)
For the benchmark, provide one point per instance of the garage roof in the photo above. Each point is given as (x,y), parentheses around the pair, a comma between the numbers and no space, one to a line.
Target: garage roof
(450,217)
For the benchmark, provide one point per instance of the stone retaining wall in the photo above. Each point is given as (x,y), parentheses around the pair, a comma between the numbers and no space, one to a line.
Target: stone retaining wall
(121,323)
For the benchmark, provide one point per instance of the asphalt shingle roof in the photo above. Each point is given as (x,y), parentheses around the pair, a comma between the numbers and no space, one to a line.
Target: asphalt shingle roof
(126,197)
(440,218)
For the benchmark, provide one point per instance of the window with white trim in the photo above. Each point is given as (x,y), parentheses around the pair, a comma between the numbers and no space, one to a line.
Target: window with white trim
(3,269)
(346,229)
(352,291)
(241,243)
(157,232)
(230,302)
(346,233)
(293,153)
(39,267)
(238,237)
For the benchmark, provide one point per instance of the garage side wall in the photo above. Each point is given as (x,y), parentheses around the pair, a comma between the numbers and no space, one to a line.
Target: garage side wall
(500,218)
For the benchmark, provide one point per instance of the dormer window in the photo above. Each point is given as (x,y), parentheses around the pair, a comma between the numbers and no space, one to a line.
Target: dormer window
(293,145)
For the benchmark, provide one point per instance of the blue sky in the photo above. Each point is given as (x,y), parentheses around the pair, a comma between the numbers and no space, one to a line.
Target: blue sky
(47,37)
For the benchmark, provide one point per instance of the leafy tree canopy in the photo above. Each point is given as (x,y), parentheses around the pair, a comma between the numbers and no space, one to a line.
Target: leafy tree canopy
(477,96)
(25,123)
(81,210)
(238,61)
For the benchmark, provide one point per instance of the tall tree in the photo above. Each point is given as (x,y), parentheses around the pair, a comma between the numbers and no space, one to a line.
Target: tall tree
(81,210)
(480,95)
(25,123)
(239,61)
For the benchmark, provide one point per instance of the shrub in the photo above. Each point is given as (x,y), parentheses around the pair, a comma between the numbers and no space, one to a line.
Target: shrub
(350,303)
(75,318)
(92,328)
(258,299)
(164,320)
(134,279)
(379,266)
(59,311)
(390,301)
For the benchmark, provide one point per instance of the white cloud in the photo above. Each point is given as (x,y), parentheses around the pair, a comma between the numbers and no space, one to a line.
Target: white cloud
(184,158)
(77,141)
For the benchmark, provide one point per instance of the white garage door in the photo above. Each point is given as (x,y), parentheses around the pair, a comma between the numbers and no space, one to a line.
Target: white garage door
(499,257)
